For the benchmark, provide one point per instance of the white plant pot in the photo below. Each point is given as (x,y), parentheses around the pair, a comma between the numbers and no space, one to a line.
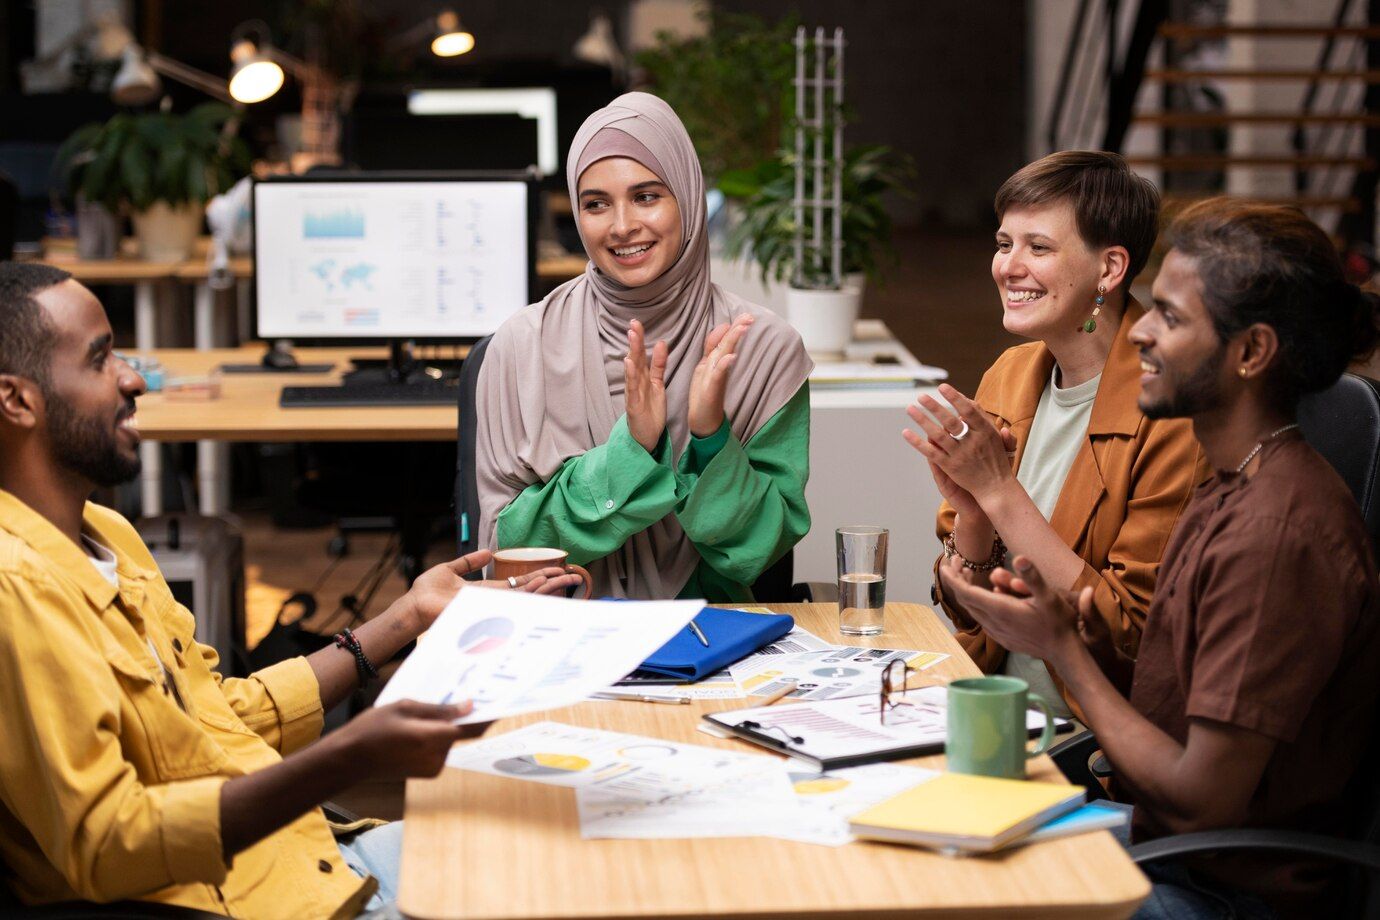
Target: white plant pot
(824,319)
(167,234)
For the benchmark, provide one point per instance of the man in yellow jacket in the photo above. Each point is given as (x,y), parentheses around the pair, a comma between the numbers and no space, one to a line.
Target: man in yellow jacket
(130,768)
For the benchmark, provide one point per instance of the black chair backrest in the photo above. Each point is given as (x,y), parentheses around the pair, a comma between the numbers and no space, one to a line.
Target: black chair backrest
(9,216)
(1343,424)
(466,491)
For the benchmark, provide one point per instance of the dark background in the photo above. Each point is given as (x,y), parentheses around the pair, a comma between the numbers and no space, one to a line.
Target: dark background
(942,80)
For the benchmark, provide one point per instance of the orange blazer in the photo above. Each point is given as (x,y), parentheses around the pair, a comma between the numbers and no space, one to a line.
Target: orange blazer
(1126,488)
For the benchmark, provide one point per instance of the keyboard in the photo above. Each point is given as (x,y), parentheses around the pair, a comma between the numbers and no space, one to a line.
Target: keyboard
(417,393)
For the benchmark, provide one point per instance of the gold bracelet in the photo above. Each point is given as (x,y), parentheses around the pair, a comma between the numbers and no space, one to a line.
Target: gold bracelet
(998,554)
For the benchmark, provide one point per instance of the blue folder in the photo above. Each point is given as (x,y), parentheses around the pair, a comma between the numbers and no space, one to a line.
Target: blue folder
(732,635)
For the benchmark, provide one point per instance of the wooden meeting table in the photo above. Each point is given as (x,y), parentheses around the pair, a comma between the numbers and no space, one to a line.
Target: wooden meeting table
(484,847)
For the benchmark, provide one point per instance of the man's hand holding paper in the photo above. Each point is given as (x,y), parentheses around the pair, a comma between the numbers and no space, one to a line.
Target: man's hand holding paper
(512,653)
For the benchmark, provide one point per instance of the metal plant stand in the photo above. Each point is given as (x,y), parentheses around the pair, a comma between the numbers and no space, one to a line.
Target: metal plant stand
(818,203)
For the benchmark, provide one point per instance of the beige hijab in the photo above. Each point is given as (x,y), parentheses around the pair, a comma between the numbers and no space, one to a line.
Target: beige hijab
(552,386)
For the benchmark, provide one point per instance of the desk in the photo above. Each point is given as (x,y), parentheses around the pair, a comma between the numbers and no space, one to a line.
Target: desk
(484,847)
(154,278)
(248,409)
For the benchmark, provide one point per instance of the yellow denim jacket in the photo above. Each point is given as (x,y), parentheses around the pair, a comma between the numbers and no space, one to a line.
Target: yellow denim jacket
(110,773)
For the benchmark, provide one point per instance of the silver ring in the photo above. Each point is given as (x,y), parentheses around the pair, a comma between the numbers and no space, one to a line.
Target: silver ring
(512,582)
(962,434)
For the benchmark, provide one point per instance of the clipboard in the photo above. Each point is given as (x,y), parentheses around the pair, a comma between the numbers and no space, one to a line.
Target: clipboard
(847,732)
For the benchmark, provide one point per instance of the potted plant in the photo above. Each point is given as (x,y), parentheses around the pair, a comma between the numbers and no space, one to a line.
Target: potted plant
(731,87)
(765,233)
(159,167)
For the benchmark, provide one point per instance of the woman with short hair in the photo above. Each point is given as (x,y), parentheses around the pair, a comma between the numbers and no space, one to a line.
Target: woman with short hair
(1053,458)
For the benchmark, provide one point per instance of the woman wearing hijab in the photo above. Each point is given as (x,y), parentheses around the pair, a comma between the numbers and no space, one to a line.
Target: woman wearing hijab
(676,474)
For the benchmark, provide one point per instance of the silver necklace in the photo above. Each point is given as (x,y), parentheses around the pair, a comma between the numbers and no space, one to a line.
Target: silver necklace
(1261,443)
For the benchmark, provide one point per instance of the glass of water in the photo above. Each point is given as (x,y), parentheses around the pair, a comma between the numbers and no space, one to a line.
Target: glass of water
(862,579)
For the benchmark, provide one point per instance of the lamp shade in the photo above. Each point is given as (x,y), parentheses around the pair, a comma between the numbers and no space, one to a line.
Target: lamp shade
(135,83)
(450,40)
(254,76)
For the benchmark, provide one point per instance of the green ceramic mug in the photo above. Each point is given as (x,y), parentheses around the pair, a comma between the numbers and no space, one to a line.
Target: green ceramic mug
(987,731)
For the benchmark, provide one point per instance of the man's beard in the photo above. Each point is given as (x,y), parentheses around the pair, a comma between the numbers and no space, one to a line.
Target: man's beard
(89,447)
(1198,392)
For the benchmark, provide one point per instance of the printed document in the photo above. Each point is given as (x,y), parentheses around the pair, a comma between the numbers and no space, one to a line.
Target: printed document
(827,800)
(821,674)
(631,786)
(512,653)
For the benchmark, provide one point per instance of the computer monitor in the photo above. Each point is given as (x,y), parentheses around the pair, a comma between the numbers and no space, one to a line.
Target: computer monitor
(389,257)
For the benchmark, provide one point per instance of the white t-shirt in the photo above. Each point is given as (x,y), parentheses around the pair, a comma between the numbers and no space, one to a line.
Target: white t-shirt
(104,561)
(1056,436)
(102,558)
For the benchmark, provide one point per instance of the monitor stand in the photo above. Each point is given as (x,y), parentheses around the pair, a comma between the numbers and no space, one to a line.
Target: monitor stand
(401,368)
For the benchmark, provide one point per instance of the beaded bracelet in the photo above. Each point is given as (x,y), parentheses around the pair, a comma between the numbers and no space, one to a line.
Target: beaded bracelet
(346,639)
(995,560)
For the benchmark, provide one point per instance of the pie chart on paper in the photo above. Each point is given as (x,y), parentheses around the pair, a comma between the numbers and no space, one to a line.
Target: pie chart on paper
(817,783)
(542,764)
(486,636)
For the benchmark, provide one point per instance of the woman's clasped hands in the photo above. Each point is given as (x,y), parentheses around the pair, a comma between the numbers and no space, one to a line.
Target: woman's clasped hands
(968,456)
(645,393)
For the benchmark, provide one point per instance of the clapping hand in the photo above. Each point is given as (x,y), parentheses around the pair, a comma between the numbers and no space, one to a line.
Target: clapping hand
(968,456)
(710,379)
(645,395)
(1022,611)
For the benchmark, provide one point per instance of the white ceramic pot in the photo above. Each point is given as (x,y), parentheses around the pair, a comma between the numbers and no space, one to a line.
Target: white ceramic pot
(824,319)
(167,234)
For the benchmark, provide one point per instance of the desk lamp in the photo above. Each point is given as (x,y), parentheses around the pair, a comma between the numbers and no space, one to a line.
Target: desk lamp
(136,83)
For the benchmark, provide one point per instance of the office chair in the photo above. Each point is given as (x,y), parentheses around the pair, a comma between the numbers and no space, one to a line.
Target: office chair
(1343,424)
(9,216)
(774,584)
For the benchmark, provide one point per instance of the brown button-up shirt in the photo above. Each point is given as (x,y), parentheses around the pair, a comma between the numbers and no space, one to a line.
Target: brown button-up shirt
(1129,482)
(1267,617)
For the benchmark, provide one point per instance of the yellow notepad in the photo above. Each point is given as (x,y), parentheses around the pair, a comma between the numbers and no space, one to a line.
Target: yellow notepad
(976,814)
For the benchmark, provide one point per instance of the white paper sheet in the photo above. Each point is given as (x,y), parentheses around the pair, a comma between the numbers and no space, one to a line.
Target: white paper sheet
(828,800)
(512,653)
(721,685)
(637,787)
(836,671)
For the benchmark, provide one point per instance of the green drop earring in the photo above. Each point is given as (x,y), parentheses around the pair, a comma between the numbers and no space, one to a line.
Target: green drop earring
(1091,325)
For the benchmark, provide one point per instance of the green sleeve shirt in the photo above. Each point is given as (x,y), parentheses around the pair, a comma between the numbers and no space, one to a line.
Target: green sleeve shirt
(741,505)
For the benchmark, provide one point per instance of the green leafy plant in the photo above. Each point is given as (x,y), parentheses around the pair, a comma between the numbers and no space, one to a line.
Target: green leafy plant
(766,230)
(731,87)
(138,160)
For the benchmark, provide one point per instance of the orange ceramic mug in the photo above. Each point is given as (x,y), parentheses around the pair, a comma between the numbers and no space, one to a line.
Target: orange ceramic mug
(518,561)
